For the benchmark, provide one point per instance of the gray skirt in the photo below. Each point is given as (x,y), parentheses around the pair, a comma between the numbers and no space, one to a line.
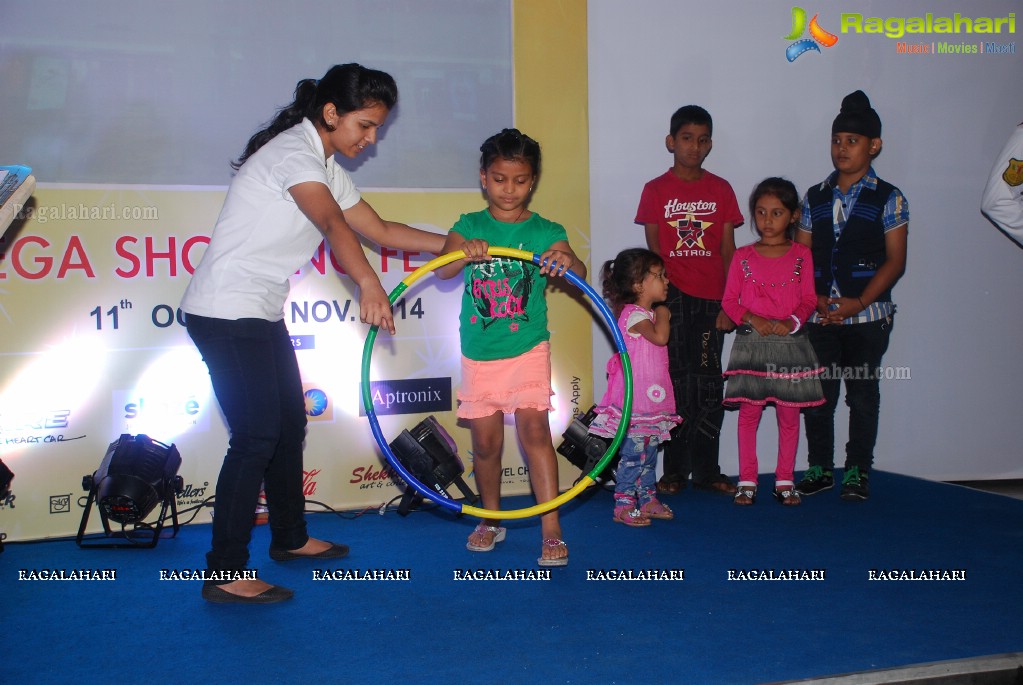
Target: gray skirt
(778,369)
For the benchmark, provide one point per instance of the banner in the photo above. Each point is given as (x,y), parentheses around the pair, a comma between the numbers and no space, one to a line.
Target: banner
(94,346)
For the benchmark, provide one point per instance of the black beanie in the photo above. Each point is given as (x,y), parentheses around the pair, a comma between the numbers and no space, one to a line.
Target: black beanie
(857,116)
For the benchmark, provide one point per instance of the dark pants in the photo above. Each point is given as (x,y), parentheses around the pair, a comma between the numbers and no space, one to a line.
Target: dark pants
(255,376)
(694,361)
(849,352)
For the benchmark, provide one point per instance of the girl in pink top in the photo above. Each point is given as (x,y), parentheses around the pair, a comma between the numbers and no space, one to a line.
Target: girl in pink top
(769,294)
(635,284)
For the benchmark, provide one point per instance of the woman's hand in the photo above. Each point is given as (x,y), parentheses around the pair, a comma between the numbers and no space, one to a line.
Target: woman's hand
(375,307)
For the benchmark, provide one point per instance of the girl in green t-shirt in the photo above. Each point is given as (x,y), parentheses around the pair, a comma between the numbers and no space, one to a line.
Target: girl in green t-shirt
(506,365)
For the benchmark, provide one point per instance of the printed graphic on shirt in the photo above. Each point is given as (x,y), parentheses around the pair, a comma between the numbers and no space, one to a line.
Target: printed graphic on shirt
(690,232)
(500,291)
(1013,174)
(690,228)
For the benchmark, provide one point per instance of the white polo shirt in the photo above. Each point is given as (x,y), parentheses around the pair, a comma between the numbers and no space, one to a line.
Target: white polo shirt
(261,237)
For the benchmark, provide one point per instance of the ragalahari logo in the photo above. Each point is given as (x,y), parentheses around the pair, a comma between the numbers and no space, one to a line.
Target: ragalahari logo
(818,36)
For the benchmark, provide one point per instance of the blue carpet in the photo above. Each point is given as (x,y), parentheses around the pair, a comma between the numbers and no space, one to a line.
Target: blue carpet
(705,629)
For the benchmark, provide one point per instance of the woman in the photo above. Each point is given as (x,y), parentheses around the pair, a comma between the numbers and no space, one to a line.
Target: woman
(288,195)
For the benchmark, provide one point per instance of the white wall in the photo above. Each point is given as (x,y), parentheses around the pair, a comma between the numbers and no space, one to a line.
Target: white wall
(944,119)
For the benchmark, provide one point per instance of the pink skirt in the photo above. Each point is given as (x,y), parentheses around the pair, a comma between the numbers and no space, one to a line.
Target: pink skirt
(505,385)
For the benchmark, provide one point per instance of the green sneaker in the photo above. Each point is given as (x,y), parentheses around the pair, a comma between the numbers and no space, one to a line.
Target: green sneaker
(855,485)
(815,479)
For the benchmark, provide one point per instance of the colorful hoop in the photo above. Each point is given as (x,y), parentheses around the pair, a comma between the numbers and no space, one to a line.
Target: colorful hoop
(543,507)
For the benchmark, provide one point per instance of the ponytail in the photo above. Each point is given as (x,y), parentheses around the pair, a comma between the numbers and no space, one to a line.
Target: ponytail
(620,275)
(347,86)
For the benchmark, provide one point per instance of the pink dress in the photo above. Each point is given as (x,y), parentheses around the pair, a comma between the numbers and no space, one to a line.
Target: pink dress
(653,399)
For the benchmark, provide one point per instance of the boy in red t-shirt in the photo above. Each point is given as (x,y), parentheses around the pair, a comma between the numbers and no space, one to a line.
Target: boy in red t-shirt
(690,216)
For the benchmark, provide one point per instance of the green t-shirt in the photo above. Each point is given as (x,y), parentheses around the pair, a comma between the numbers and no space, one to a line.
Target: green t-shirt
(504,307)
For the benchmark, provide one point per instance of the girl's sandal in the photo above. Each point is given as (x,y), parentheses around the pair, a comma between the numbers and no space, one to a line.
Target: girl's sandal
(631,517)
(788,496)
(489,536)
(553,543)
(745,495)
(655,509)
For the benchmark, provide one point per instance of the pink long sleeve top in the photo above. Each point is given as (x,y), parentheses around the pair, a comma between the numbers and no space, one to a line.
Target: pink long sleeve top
(771,287)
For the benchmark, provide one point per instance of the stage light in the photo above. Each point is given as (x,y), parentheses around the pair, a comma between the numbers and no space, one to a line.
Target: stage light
(431,456)
(136,474)
(583,449)
(6,476)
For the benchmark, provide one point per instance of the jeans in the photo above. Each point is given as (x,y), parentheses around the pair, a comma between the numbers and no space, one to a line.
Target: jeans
(634,477)
(694,362)
(254,373)
(851,352)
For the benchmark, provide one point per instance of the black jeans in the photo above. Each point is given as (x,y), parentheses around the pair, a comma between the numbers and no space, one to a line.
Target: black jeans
(255,376)
(694,362)
(849,352)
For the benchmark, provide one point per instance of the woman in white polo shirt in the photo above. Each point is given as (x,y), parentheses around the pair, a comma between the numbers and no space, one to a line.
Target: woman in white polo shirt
(288,195)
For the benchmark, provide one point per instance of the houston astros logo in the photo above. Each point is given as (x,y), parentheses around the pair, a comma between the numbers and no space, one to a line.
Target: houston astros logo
(818,36)
(690,232)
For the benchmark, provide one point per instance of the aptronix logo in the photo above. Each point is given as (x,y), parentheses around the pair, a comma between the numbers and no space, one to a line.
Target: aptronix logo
(409,396)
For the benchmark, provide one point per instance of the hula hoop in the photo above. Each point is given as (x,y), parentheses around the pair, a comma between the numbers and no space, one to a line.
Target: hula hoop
(457,507)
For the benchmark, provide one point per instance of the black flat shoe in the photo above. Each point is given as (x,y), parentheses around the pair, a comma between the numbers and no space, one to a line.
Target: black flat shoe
(670,487)
(276,593)
(335,551)
(720,485)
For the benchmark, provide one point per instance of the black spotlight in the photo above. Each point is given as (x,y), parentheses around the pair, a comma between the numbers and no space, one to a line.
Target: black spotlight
(583,449)
(431,455)
(136,474)
(6,476)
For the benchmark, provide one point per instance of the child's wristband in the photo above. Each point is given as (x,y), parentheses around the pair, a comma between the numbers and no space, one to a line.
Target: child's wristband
(799,324)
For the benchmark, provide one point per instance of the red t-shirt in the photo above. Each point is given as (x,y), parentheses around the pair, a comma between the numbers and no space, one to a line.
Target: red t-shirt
(690,216)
